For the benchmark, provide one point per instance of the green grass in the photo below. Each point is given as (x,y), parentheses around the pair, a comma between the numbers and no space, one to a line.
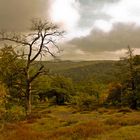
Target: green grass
(65,123)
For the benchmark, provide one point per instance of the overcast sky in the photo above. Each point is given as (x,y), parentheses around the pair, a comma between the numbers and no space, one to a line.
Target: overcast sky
(95,29)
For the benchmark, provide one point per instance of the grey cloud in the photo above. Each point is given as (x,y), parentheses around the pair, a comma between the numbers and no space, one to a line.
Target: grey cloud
(119,38)
(16,13)
(74,53)
(91,10)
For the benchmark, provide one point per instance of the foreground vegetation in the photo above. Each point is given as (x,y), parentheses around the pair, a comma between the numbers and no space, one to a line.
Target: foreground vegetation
(66,123)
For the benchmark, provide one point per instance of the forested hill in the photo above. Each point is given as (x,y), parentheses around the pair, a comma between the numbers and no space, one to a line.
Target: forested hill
(100,71)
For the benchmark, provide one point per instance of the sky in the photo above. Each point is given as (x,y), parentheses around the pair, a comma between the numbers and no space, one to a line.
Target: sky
(95,29)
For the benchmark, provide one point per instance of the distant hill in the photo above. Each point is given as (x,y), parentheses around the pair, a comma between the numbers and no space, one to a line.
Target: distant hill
(100,71)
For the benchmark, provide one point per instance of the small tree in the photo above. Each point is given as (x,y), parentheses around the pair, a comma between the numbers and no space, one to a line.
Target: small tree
(35,44)
(62,88)
(129,79)
(11,72)
(114,94)
(130,61)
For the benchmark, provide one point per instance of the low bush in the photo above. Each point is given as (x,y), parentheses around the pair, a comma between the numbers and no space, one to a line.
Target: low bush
(84,103)
(16,113)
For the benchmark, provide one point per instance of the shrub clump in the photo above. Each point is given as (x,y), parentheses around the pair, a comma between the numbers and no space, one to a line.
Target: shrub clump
(84,102)
(16,113)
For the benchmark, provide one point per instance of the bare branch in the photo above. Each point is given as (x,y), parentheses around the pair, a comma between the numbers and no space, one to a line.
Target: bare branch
(38,73)
(13,38)
(40,49)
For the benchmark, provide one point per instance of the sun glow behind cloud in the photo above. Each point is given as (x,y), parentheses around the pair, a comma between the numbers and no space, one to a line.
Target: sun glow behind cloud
(65,12)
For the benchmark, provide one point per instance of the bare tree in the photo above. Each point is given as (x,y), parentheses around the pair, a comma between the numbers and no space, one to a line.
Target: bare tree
(39,41)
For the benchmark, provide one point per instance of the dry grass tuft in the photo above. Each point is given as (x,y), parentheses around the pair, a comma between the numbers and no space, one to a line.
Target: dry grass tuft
(124,120)
(18,132)
(85,130)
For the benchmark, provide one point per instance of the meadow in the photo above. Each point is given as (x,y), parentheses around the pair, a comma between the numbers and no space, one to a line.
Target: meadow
(66,123)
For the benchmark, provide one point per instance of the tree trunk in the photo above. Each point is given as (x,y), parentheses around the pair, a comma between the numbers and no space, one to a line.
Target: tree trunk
(28,99)
(28,95)
(134,104)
